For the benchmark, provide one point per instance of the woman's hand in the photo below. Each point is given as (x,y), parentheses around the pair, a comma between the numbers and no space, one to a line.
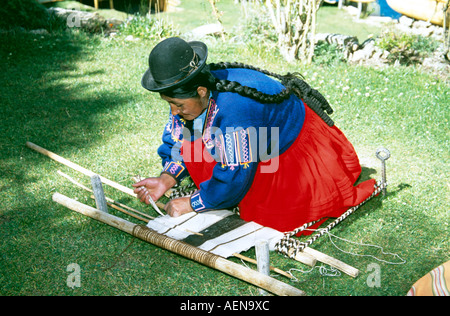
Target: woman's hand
(153,187)
(179,206)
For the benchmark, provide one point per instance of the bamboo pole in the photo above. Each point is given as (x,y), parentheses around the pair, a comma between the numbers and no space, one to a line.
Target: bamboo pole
(78,168)
(87,172)
(251,276)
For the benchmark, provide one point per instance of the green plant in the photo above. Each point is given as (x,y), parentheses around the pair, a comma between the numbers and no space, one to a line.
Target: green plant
(258,25)
(148,27)
(405,48)
(327,54)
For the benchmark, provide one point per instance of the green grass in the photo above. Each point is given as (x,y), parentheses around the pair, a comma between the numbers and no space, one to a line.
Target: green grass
(332,20)
(80,97)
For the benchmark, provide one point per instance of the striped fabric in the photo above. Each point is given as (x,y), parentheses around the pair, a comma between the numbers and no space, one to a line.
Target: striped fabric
(435,283)
(220,232)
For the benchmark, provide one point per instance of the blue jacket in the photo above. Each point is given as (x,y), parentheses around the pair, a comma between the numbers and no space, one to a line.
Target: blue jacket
(238,132)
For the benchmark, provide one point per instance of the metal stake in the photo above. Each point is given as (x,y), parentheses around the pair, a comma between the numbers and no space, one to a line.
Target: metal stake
(383,154)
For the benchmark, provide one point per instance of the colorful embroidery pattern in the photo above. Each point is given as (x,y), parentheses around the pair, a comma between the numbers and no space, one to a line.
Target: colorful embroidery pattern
(197,202)
(174,168)
(244,148)
(176,127)
(235,149)
(210,115)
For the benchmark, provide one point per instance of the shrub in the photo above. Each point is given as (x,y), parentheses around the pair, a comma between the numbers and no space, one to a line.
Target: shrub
(405,48)
(257,26)
(148,27)
(328,54)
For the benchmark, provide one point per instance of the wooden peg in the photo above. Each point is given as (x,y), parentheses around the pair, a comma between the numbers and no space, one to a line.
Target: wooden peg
(99,194)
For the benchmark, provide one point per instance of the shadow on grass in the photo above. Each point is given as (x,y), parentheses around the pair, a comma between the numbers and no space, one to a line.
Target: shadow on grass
(45,97)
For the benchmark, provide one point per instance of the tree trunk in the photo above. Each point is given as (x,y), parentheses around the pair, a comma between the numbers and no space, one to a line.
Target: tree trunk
(295,24)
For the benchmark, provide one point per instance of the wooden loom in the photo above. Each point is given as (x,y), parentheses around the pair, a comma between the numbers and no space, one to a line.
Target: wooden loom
(204,257)
(208,238)
(143,232)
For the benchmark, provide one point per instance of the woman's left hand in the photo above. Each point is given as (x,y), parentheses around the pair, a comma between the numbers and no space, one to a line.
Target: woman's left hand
(179,206)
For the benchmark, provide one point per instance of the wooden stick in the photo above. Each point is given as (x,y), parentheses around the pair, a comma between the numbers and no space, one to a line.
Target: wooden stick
(335,263)
(277,270)
(99,194)
(119,206)
(107,198)
(76,167)
(305,259)
(146,220)
(87,172)
(124,211)
(262,259)
(211,260)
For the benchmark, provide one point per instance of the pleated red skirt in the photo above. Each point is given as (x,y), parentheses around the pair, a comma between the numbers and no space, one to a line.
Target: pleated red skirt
(311,180)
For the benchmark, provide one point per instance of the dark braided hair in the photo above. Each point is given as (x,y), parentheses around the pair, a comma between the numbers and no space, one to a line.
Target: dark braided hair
(293,83)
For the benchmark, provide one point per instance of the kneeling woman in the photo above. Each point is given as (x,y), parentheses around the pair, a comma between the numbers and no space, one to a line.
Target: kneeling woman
(248,138)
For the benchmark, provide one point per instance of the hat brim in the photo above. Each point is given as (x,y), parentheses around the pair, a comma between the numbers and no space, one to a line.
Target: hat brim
(149,83)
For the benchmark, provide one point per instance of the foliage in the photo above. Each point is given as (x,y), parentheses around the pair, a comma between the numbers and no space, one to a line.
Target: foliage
(28,14)
(295,24)
(327,54)
(148,27)
(257,25)
(406,49)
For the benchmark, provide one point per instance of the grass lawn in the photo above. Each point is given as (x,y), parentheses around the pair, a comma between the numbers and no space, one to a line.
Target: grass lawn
(80,97)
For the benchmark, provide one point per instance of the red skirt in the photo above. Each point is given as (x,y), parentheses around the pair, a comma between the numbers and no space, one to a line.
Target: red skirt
(313,179)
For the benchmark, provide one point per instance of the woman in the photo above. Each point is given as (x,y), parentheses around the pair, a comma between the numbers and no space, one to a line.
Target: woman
(246,139)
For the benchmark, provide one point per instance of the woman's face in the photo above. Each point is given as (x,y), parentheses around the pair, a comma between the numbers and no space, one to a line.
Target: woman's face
(188,109)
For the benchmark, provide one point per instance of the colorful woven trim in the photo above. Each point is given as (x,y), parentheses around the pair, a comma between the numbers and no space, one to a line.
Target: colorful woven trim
(210,115)
(197,203)
(174,168)
(235,148)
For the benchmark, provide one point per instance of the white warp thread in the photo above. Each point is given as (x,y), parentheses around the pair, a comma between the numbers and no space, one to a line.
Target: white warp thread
(238,240)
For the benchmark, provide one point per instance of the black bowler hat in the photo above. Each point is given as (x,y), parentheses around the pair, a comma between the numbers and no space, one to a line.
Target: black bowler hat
(172,63)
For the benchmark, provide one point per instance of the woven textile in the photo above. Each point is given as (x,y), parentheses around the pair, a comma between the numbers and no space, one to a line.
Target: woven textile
(435,283)
(220,232)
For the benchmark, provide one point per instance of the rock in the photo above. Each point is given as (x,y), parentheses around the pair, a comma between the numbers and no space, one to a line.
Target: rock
(91,22)
(367,50)
(438,31)
(438,63)
(420,28)
(39,32)
(215,29)
(130,38)
(406,21)
(342,41)
(423,31)
(421,24)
